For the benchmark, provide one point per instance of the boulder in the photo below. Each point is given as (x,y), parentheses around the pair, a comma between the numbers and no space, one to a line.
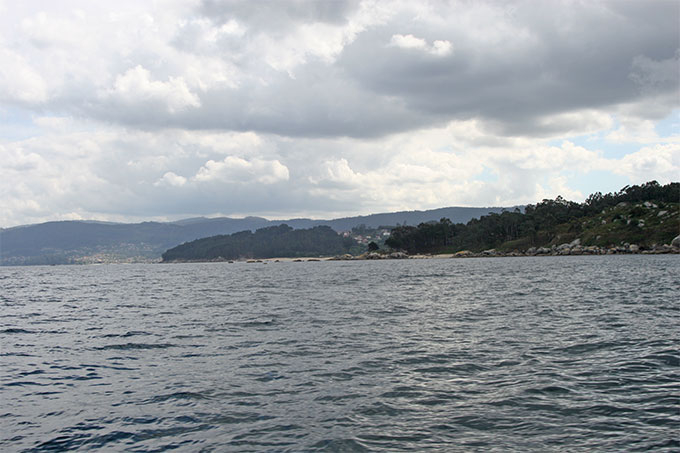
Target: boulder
(676,241)
(575,242)
(374,256)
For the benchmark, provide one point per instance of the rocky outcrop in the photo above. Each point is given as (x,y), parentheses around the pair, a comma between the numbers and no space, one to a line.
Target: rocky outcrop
(676,241)
(575,248)
(372,256)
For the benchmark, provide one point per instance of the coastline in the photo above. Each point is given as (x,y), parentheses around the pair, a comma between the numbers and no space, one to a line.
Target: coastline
(561,250)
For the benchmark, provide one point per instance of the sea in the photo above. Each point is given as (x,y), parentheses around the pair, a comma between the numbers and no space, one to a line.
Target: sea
(546,354)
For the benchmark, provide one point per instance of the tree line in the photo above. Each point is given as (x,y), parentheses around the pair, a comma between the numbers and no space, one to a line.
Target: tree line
(535,223)
(276,241)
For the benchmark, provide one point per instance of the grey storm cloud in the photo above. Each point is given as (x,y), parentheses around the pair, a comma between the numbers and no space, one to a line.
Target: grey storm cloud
(543,59)
(582,57)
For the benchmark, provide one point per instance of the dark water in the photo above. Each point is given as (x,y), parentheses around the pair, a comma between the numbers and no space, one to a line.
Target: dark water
(525,354)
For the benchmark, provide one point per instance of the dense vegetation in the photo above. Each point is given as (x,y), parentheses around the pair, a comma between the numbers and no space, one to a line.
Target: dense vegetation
(95,242)
(600,220)
(270,242)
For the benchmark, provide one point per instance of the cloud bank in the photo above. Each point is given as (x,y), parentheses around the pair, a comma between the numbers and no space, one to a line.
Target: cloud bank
(148,110)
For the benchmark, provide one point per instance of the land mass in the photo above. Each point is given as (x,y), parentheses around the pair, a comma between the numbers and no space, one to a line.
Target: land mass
(81,242)
(634,220)
(276,241)
(637,219)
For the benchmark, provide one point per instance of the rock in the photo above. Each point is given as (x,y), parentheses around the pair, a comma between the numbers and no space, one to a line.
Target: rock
(374,256)
(633,248)
(398,255)
(575,242)
(676,241)
(463,254)
(662,213)
(490,252)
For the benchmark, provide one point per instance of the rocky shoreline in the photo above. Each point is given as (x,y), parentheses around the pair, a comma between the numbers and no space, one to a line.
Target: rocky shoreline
(572,248)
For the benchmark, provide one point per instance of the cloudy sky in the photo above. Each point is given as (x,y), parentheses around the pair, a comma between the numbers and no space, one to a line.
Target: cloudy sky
(139,110)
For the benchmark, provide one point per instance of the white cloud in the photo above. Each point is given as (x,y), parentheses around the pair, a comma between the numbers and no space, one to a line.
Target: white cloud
(135,85)
(439,47)
(660,162)
(235,170)
(19,81)
(171,179)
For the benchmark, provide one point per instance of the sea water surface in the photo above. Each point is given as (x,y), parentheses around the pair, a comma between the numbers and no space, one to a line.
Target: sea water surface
(524,354)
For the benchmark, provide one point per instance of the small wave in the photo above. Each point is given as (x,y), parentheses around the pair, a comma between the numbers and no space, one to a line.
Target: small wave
(454,369)
(240,417)
(255,323)
(125,335)
(339,445)
(87,377)
(381,409)
(667,357)
(269,376)
(590,347)
(549,390)
(132,346)
(333,398)
(29,373)
(23,384)
(16,330)
(178,396)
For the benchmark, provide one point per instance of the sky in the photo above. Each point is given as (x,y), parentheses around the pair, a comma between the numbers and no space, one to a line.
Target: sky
(160,110)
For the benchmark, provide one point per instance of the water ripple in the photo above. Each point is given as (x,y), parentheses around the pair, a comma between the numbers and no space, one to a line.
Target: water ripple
(564,354)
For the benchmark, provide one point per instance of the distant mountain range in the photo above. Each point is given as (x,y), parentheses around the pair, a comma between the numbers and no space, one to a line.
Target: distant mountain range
(92,241)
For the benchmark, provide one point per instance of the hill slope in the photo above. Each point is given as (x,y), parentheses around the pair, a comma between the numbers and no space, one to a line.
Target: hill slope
(646,215)
(84,241)
(269,242)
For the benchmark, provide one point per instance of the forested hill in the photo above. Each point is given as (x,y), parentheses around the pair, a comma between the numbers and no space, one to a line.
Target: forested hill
(86,242)
(277,241)
(645,215)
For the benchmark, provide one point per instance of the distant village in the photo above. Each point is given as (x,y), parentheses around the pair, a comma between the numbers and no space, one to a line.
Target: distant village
(364,235)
